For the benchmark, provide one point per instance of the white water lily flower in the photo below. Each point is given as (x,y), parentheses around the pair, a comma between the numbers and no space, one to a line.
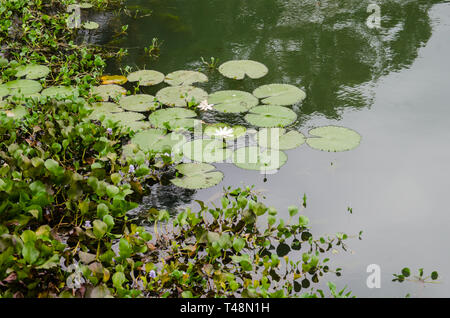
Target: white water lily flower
(205,106)
(224,132)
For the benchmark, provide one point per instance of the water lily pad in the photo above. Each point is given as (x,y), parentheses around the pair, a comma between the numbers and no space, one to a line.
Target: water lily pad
(271,116)
(239,68)
(252,158)
(206,150)
(136,125)
(32,71)
(232,101)
(105,92)
(17,113)
(180,96)
(85,5)
(173,118)
(146,77)
(180,78)
(130,120)
(279,94)
(197,176)
(4,91)
(104,108)
(60,91)
(156,140)
(214,130)
(278,138)
(139,103)
(90,25)
(113,79)
(333,138)
(23,87)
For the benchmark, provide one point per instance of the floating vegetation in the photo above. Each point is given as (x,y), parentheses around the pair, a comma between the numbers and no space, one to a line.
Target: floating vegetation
(139,103)
(182,78)
(238,69)
(32,71)
(23,87)
(109,91)
(279,94)
(4,91)
(104,108)
(232,101)
(173,118)
(60,91)
(146,77)
(254,158)
(113,79)
(271,116)
(156,140)
(197,176)
(218,129)
(206,150)
(279,138)
(333,138)
(91,25)
(181,96)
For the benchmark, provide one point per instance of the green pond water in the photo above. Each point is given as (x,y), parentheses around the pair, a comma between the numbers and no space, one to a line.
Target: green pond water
(390,84)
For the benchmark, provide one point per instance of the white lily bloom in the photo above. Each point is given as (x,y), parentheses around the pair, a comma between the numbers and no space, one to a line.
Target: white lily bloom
(224,132)
(205,106)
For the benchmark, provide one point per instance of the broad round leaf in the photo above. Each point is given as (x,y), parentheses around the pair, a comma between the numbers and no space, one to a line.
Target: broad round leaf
(206,150)
(146,77)
(113,79)
(179,78)
(333,138)
(197,176)
(4,91)
(252,158)
(138,103)
(278,138)
(214,130)
(32,71)
(104,108)
(173,118)
(279,94)
(239,68)
(232,101)
(23,87)
(17,113)
(60,91)
(90,25)
(106,92)
(271,116)
(180,96)
(156,140)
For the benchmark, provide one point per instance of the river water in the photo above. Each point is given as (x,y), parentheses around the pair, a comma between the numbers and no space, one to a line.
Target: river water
(390,84)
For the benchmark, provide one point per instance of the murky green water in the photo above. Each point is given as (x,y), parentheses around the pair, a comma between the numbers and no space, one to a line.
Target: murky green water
(390,84)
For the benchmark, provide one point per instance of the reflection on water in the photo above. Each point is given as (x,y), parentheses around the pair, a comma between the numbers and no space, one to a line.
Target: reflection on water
(397,180)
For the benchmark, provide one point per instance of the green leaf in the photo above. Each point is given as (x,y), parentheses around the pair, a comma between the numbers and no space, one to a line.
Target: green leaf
(406,272)
(333,139)
(30,253)
(125,249)
(270,116)
(238,244)
(303,220)
(99,228)
(434,275)
(118,279)
(187,294)
(279,94)
(146,77)
(197,176)
(181,96)
(278,138)
(293,210)
(54,167)
(232,101)
(180,78)
(238,69)
(139,103)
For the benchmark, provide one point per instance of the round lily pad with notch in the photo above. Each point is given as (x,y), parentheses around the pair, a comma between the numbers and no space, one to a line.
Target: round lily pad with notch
(252,158)
(113,79)
(173,118)
(60,91)
(23,87)
(182,78)
(232,101)
(211,130)
(139,103)
(90,25)
(108,91)
(333,138)
(279,94)
(104,108)
(197,176)
(146,77)
(238,69)
(279,138)
(17,113)
(181,96)
(206,150)
(270,116)
(156,140)
(32,71)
